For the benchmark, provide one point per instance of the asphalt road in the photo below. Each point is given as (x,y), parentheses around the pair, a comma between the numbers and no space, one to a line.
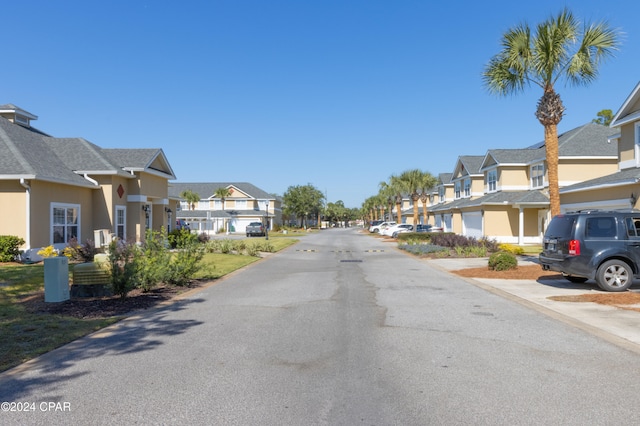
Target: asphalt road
(340,329)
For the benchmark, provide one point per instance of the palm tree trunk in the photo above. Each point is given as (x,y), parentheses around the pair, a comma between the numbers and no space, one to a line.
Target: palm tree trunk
(415,199)
(424,211)
(399,211)
(551,144)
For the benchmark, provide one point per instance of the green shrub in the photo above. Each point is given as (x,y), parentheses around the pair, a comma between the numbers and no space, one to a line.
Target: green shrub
(414,237)
(154,261)
(123,261)
(185,263)
(253,250)
(9,247)
(180,237)
(502,261)
(510,248)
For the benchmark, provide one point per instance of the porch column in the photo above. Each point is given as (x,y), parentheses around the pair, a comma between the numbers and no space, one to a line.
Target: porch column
(520,225)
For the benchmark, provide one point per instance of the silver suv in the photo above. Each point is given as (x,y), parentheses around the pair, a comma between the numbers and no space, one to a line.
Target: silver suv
(594,244)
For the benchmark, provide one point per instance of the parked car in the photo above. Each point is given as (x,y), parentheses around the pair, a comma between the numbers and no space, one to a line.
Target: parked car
(376,228)
(423,228)
(389,230)
(182,224)
(255,229)
(374,223)
(599,245)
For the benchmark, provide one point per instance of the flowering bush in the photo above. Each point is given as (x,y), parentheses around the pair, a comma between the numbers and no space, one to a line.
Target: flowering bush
(49,251)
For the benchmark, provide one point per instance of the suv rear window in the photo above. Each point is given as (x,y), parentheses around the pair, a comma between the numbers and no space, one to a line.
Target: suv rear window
(561,226)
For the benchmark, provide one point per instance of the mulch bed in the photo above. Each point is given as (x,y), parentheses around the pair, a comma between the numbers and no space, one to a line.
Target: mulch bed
(107,306)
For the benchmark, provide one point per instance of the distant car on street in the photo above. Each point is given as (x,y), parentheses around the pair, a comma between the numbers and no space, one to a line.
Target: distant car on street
(255,229)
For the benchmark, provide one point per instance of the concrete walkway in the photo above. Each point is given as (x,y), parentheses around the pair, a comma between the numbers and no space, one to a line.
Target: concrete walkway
(617,325)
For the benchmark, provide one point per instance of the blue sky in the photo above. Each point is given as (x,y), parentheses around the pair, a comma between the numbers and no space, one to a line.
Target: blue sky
(340,94)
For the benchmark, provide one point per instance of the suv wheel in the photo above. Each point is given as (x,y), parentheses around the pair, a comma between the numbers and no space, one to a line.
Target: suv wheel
(614,275)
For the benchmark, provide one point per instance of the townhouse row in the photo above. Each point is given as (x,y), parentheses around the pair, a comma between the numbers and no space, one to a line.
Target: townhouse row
(503,194)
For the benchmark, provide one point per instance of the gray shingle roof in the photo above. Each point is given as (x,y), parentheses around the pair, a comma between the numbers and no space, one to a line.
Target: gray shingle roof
(206,189)
(28,153)
(620,178)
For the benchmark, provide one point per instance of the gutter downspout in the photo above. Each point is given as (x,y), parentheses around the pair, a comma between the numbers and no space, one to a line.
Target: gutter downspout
(27,187)
(93,181)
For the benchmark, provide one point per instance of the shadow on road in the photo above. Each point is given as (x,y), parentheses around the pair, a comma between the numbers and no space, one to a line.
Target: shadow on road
(140,333)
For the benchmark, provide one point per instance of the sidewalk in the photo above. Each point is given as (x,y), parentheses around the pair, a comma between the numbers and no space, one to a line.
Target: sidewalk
(619,326)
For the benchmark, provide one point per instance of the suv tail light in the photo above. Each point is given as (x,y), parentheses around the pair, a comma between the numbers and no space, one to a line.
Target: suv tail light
(574,248)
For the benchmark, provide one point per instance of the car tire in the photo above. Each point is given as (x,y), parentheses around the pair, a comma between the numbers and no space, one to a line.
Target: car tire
(576,280)
(614,275)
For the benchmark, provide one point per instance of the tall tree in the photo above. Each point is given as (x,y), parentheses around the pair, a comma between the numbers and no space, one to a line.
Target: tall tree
(426,185)
(415,182)
(399,186)
(387,196)
(190,197)
(560,48)
(605,117)
(302,201)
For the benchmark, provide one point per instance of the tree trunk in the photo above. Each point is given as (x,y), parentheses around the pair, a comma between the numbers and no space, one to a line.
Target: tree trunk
(415,199)
(551,144)
(424,210)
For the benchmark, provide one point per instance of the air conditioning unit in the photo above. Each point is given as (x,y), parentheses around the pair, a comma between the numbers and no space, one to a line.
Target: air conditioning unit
(102,237)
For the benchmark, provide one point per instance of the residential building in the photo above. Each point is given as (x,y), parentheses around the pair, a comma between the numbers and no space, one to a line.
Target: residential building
(53,189)
(503,195)
(621,188)
(246,203)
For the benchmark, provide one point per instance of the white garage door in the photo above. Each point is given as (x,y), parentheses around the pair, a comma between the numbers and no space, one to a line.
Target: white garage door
(240,225)
(472,224)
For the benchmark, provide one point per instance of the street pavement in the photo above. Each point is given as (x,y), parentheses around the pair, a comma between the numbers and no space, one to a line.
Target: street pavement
(617,325)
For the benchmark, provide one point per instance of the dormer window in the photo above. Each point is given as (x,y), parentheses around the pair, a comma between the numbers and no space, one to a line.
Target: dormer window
(457,190)
(537,176)
(492,181)
(17,115)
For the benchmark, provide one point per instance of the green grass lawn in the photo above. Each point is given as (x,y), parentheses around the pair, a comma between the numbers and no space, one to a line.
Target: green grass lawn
(25,335)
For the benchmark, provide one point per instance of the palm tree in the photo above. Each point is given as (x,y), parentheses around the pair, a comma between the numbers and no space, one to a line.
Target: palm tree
(560,48)
(427,184)
(190,197)
(223,194)
(411,181)
(387,195)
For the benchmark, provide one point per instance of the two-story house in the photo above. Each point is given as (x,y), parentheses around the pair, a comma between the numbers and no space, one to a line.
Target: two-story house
(504,194)
(246,203)
(53,190)
(621,188)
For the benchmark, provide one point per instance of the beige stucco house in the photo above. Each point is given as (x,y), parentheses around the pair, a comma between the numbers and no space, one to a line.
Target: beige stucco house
(55,189)
(503,194)
(621,188)
(246,203)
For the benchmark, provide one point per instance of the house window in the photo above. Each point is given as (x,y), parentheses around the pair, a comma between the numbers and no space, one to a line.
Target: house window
(184,205)
(441,193)
(203,205)
(65,223)
(241,204)
(537,176)
(467,187)
(217,204)
(492,181)
(121,223)
(457,190)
